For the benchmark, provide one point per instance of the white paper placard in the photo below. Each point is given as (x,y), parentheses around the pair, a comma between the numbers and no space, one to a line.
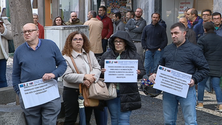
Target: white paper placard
(121,71)
(37,92)
(172,81)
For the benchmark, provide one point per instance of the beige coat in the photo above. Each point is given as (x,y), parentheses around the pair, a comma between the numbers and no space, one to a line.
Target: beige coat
(70,78)
(7,35)
(95,38)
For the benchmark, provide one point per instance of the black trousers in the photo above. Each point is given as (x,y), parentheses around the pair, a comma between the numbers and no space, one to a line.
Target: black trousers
(70,98)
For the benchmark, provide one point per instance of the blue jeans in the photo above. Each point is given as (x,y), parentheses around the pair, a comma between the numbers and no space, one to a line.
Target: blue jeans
(117,116)
(151,61)
(3,81)
(104,44)
(170,107)
(215,81)
(208,85)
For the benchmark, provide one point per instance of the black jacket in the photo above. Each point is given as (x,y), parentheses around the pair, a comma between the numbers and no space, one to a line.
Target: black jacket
(187,58)
(211,44)
(154,37)
(129,95)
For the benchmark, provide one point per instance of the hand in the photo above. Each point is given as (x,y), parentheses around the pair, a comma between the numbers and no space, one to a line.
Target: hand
(48,76)
(70,20)
(138,71)
(152,78)
(86,83)
(159,49)
(137,26)
(90,77)
(2,29)
(191,83)
(105,38)
(103,70)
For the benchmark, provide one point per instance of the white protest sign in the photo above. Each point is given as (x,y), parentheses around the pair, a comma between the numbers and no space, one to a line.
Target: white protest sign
(121,71)
(172,81)
(37,92)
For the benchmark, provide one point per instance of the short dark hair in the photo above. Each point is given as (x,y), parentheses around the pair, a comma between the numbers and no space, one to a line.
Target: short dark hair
(131,12)
(180,25)
(194,11)
(93,13)
(104,8)
(187,9)
(215,14)
(209,27)
(155,13)
(207,10)
(118,14)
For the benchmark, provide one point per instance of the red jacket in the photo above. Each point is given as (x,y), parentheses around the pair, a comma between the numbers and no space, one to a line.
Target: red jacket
(107,26)
(41,31)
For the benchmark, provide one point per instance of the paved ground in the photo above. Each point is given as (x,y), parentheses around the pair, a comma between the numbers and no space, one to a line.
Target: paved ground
(151,111)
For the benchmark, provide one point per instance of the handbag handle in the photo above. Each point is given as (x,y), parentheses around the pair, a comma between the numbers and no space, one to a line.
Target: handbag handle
(74,64)
(89,62)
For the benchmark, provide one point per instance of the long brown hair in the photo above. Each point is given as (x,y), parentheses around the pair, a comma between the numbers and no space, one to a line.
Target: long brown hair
(67,50)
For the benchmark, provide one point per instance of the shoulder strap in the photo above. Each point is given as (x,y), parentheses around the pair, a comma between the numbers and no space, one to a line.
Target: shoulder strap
(74,64)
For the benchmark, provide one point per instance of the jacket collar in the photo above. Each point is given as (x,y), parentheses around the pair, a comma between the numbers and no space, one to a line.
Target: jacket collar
(75,54)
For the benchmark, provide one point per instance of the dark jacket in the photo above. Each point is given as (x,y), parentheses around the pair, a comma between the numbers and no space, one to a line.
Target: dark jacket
(211,44)
(187,58)
(154,37)
(162,23)
(219,31)
(76,22)
(129,95)
(135,32)
(197,27)
(191,36)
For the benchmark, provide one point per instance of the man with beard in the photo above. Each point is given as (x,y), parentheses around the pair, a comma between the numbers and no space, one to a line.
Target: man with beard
(217,23)
(154,39)
(107,26)
(129,15)
(183,56)
(74,20)
(117,22)
(135,28)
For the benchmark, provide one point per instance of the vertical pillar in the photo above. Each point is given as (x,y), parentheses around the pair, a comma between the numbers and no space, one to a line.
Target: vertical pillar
(82,10)
(41,12)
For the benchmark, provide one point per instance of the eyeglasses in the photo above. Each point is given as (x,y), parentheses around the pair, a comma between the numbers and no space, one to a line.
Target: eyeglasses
(216,18)
(76,39)
(29,31)
(118,42)
(205,14)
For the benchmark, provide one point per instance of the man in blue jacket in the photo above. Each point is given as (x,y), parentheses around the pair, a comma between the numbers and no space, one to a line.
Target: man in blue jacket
(38,59)
(154,39)
(195,22)
(183,56)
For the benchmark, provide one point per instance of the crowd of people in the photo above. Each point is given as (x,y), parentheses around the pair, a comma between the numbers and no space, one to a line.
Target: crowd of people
(196,50)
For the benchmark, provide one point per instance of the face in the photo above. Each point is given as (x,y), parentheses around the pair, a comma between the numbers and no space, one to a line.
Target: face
(189,16)
(58,21)
(114,17)
(178,36)
(30,32)
(155,19)
(35,19)
(89,16)
(119,45)
(138,13)
(183,21)
(77,42)
(73,16)
(101,12)
(128,16)
(216,20)
(206,16)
